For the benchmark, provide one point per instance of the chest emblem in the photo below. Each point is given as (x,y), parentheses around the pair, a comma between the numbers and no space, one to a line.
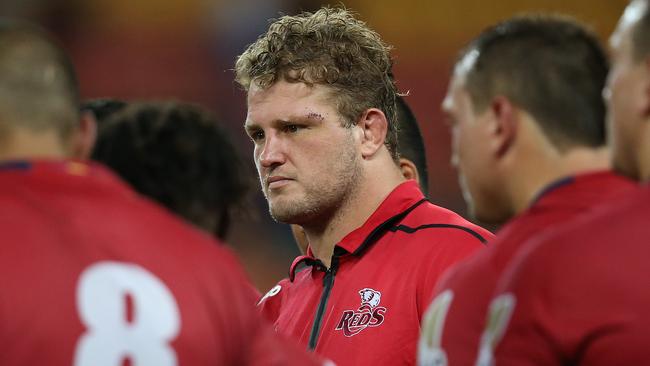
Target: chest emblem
(369,314)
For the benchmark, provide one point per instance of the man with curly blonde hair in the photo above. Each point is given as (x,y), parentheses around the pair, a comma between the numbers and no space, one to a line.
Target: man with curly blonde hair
(321,114)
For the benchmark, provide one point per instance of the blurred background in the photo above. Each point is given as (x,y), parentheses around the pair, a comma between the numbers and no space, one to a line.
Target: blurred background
(185,49)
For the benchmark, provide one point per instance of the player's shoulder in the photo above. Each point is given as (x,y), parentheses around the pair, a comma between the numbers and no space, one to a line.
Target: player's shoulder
(429,221)
(280,288)
(583,243)
(171,226)
(606,225)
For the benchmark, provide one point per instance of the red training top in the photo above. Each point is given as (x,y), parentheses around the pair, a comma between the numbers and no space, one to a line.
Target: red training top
(456,318)
(92,274)
(366,308)
(579,296)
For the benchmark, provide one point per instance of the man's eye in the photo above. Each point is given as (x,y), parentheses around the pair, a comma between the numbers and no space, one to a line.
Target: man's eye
(257,135)
(292,128)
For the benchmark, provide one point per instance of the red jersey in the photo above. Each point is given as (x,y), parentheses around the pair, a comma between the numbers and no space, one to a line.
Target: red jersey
(366,308)
(94,275)
(579,296)
(456,317)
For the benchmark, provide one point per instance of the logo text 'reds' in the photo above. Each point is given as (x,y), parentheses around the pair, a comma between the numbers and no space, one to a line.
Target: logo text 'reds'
(369,314)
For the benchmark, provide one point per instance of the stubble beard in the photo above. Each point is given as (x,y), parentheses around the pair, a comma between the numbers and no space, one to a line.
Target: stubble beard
(322,200)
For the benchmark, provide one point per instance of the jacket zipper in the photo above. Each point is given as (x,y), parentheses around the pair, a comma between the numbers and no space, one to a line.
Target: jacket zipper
(328,283)
(328,280)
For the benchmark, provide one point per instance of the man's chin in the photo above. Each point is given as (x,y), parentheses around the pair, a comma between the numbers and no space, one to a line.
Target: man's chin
(287,215)
(488,215)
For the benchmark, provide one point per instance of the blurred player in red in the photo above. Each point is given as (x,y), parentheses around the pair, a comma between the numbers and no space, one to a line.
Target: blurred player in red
(321,115)
(92,274)
(580,296)
(528,129)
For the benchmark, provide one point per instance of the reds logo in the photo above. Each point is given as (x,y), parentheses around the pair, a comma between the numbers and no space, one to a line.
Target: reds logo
(369,314)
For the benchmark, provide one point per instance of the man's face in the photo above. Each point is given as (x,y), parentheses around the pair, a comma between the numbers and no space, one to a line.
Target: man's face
(625,94)
(470,150)
(307,161)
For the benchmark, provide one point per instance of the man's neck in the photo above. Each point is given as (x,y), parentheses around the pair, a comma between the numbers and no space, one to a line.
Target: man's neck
(534,178)
(371,191)
(23,144)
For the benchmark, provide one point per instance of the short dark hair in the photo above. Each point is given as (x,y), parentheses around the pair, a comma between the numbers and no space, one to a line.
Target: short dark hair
(411,143)
(328,47)
(38,85)
(641,34)
(178,155)
(103,108)
(551,66)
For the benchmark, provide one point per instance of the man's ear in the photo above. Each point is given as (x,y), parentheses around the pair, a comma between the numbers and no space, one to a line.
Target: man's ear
(374,127)
(85,136)
(504,125)
(409,170)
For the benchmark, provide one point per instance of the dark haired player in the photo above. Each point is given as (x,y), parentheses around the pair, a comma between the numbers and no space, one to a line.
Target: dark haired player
(527,121)
(178,155)
(580,296)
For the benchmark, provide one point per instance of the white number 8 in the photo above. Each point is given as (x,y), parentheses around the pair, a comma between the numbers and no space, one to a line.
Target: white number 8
(110,338)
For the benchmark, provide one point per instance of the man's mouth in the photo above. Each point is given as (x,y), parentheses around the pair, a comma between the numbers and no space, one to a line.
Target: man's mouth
(276,181)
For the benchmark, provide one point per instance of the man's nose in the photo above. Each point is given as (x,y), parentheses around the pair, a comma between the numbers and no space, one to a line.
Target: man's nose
(272,153)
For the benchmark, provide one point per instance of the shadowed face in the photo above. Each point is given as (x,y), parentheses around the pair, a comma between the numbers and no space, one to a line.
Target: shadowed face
(471,153)
(625,94)
(307,161)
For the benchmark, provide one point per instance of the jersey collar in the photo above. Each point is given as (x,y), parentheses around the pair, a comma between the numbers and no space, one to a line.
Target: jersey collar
(394,207)
(399,203)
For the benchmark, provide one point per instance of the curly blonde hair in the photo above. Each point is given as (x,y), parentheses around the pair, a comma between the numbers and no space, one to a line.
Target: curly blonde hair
(328,47)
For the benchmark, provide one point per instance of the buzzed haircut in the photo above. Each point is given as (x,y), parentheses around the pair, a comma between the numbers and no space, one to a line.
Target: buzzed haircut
(551,66)
(328,47)
(641,34)
(178,155)
(103,108)
(38,85)
(411,143)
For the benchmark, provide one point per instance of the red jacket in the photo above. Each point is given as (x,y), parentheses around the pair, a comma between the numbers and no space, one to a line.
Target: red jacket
(457,316)
(366,308)
(579,296)
(92,274)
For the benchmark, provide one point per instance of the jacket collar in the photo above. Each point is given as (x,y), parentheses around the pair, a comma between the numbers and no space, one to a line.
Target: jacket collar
(399,203)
